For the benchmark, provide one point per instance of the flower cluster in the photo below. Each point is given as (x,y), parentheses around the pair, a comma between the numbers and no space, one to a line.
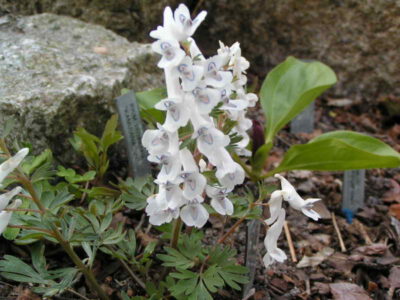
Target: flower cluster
(6,168)
(196,86)
(277,217)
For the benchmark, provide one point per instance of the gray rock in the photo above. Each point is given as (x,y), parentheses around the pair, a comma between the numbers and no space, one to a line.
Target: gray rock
(58,73)
(359,39)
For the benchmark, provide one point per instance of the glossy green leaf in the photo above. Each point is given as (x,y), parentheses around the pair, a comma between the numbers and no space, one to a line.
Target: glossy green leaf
(289,88)
(340,150)
(147,100)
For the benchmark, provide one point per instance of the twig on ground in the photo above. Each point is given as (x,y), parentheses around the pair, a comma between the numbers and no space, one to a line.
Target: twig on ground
(363,232)
(290,241)
(335,225)
(132,274)
(77,294)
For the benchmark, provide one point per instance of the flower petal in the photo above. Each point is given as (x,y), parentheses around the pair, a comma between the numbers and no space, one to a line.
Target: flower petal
(10,164)
(6,197)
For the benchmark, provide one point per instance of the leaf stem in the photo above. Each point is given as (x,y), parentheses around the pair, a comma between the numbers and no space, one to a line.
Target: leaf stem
(31,228)
(176,232)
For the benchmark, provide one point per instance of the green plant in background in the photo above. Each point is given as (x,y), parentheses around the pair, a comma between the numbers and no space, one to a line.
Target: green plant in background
(47,213)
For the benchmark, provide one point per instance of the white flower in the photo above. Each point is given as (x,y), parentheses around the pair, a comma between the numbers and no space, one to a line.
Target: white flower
(194,182)
(177,113)
(10,164)
(194,213)
(170,194)
(170,166)
(159,141)
(164,216)
(250,98)
(171,52)
(179,25)
(160,214)
(290,195)
(209,139)
(213,74)
(184,25)
(229,173)
(219,201)
(6,197)
(205,98)
(275,206)
(271,240)
(189,73)
(5,216)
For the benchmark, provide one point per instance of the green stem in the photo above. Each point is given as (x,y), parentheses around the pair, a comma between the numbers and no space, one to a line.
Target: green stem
(32,228)
(176,232)
(81,266)
(28,185)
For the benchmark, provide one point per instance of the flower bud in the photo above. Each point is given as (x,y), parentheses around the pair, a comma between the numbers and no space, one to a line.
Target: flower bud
(258,136)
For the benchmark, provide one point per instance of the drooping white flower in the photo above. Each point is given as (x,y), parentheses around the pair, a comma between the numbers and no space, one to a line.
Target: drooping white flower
(171,52)
(6,197)
(271,241)
(177,113)
(5,216)
(194,213)
(159,141)
(290,195)
(13,162)
(189,73)
(275,206)
(219,201)
(213,73)
(230,174)
(194,182)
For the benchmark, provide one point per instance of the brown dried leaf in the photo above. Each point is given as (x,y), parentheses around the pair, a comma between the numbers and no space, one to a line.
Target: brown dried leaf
(28,295)
(394,277)
(393,195)
(348,291)
(374,249)
(316,259)
(394,210)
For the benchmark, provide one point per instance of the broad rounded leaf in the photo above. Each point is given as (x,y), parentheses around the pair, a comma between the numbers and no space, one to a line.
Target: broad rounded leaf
(289,88)
(147,100)
(340,150)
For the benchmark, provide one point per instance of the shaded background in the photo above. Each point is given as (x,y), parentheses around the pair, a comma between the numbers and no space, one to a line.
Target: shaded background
(359,39)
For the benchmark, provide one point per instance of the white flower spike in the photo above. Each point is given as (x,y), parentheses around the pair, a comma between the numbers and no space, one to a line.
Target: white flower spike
(196,85)
(290,195)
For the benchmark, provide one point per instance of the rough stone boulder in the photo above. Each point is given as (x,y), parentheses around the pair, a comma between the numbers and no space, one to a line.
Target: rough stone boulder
(359,39)
(58,73)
